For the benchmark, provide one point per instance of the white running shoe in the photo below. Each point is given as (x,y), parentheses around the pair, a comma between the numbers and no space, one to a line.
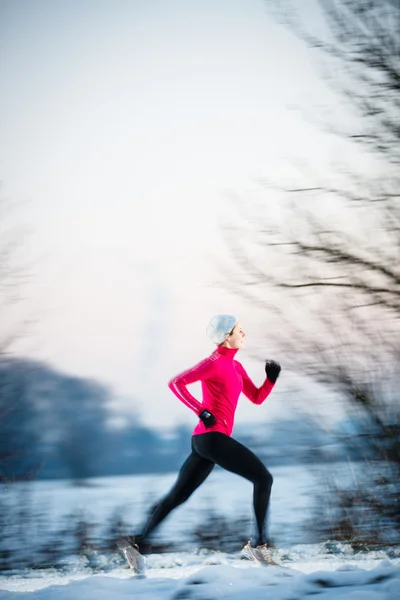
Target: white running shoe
(135,560)
(260,554)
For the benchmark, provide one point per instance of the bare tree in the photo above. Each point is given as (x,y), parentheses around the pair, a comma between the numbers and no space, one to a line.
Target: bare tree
(17,439)
(327,267)
(15,273)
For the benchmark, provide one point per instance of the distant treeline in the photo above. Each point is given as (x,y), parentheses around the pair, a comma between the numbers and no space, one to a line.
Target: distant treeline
(54,425)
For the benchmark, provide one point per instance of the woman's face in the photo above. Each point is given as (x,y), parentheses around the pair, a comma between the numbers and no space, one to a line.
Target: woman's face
(236,338)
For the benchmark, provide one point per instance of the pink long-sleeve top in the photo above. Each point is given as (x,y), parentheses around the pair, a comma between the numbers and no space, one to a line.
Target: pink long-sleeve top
(222,381)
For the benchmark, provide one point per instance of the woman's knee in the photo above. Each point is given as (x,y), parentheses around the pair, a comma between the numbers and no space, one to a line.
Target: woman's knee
(265,480)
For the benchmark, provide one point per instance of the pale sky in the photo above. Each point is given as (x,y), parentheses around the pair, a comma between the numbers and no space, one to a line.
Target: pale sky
(124,125)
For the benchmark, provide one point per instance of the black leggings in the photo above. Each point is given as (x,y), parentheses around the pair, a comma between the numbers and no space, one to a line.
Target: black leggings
(208,450)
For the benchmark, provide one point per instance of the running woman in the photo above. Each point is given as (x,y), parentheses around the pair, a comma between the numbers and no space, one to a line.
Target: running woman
(223,379)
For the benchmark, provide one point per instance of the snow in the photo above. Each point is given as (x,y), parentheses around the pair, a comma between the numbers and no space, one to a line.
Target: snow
(192,576)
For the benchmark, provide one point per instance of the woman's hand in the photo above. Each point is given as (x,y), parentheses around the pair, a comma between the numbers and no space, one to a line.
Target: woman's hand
(208,418)
(272,370)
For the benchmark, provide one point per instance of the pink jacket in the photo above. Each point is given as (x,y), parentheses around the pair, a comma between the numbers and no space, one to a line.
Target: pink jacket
(222,380)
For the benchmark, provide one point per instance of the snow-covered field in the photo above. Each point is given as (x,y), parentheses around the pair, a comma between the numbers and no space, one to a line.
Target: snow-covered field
(325,570)
(216,575)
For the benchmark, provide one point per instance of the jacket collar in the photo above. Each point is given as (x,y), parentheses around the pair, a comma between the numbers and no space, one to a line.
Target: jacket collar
(228,352)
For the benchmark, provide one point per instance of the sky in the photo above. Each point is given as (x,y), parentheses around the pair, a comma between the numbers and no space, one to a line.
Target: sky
(125,126)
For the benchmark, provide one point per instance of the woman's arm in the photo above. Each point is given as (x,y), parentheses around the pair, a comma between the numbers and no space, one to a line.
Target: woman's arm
(253,393)
(200,372)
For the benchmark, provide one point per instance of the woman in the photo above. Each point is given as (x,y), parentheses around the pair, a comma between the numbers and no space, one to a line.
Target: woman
(222,379)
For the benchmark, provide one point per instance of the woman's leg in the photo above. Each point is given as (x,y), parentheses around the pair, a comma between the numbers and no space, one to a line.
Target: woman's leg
(191,475)
(236,458)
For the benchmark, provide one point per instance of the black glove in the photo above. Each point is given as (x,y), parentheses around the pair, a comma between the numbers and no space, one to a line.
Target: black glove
(208,419)
(272,370)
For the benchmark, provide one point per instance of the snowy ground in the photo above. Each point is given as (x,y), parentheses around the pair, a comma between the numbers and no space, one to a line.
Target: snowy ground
(212,575)
(326,570)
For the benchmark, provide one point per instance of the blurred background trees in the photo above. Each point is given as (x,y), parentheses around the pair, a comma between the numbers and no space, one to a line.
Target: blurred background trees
(326,265)
(55,425)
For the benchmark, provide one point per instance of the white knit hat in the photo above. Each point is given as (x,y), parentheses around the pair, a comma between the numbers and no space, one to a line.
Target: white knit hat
(220,327)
